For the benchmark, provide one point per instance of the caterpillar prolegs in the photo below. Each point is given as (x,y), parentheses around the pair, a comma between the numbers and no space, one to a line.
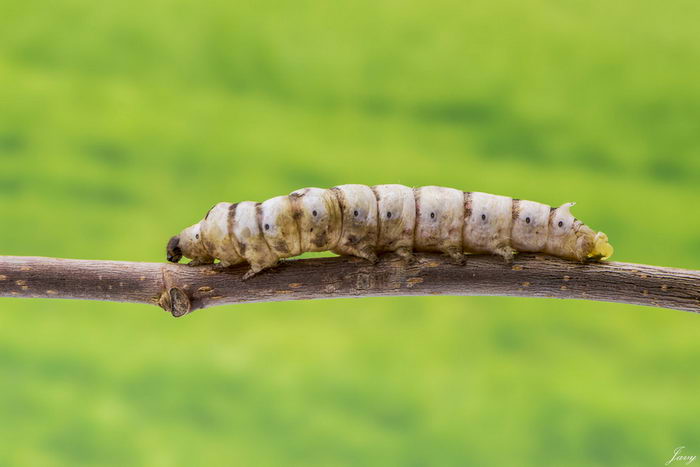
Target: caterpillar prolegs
(364,221)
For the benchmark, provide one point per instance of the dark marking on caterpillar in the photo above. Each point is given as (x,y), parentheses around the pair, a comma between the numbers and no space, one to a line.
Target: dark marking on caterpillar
(320,239)
(361,221)
(209,212)
(467,204)
(281,246)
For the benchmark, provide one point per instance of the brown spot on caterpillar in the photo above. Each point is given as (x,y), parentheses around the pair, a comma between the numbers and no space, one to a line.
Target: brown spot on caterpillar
(25,268)
(3,277)
(645,292)
(283,292)
(231,215)
(517,268)
(340,196)
(320,239)
(204,289)
(567,278)
(563,287)
(51,292)
(525,284)
(467,204)
(516,208)
(295,285)
(25,287)
(281,246)
(258,215)
(417,198)
(21,282)
(664,287)
(142,278)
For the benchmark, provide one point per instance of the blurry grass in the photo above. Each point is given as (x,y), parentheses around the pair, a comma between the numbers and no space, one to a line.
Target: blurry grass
(121,123)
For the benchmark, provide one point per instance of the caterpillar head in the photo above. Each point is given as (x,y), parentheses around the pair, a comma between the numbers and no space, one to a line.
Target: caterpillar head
(188,244)
(570,238)
(173,250)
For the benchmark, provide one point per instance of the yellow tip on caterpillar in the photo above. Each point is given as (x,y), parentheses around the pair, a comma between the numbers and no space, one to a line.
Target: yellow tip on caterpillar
(602,250)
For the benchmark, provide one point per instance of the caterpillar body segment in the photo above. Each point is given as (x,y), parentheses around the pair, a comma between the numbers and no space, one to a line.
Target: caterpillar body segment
(365,221)
(488,223)
(214,232)
(279,227)
(358,207)
(318,218)
(530,226)
(439,221)
(396,215)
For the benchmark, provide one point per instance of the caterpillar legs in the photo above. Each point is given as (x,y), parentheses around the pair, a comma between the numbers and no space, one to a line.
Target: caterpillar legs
(369,254)
(200,262)
(406,254)
(456,255)
(506,253)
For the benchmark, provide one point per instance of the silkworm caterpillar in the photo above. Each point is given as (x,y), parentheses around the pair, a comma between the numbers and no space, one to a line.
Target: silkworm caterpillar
(364,221)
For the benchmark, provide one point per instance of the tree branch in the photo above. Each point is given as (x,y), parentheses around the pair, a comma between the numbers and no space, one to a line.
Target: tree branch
(181,289)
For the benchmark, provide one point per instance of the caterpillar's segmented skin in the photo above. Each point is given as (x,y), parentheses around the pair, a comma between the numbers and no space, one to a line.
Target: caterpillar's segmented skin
(364,221)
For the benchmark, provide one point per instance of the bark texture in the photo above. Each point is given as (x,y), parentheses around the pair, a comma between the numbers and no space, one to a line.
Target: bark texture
(180,289)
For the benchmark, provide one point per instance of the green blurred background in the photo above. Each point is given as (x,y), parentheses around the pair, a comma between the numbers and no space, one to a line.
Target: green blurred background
(122,122)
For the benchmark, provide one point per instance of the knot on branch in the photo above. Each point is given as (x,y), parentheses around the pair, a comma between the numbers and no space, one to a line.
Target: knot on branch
(175,301)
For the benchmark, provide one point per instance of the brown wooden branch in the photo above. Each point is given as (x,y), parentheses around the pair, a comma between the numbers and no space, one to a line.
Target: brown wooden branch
(181,289)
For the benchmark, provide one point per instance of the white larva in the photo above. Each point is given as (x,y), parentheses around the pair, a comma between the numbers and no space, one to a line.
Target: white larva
(364,221)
